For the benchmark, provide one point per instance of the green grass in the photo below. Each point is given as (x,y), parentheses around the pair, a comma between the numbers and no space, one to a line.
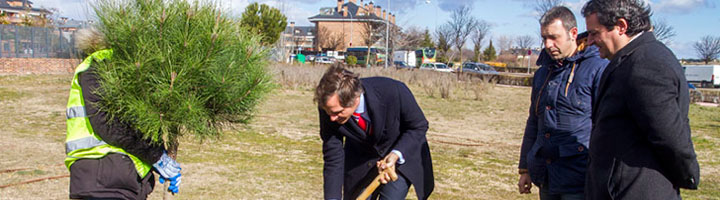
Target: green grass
(31,172)
(8,95)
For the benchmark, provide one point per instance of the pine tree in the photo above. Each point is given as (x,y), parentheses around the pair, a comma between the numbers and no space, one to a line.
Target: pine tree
(427,41)
(489,54)
(264,20)
(178,68)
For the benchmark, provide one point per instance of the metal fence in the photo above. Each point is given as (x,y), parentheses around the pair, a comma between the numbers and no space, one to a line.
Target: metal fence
(36,42)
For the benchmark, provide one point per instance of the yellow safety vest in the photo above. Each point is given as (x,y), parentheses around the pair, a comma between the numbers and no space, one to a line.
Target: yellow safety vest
(81,142)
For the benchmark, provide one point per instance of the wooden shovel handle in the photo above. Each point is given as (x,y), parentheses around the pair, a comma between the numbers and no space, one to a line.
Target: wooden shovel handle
(376,182)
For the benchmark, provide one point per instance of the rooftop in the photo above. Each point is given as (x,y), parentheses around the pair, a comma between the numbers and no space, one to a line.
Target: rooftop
(332,13)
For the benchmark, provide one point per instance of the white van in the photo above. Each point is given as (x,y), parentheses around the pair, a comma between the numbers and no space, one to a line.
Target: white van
(405,56)
(703,75)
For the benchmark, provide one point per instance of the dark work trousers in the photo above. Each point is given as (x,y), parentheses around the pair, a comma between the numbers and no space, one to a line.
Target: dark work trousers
(395,190)
(545,195)
(111,177)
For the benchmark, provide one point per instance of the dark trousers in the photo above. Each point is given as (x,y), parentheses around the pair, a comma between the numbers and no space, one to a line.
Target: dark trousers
(395,190)
(111,177)
(545,195)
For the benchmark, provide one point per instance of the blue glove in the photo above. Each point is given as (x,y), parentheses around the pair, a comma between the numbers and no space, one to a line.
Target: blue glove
(168,170)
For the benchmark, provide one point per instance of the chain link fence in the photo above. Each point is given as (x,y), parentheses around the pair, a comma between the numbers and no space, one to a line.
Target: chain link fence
(36,42)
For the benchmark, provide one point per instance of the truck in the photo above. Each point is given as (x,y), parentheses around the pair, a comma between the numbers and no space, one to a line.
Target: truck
(339,55)
(405,56)
(706,76)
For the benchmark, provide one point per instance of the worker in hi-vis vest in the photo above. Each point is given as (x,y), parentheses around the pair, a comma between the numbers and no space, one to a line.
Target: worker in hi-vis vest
(108,159)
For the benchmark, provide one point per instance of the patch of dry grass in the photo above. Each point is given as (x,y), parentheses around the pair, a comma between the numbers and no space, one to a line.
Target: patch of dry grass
(474,137)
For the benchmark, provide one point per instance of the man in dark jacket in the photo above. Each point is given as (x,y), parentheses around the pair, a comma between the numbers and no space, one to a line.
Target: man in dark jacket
(554,148)
(640,146)
(368,125)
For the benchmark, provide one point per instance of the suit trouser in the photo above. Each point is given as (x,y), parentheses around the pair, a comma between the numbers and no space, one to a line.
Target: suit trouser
(395,190)
(111,177)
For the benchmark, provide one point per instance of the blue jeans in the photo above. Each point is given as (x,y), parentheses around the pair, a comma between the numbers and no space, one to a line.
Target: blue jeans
(397,189)
(545,195)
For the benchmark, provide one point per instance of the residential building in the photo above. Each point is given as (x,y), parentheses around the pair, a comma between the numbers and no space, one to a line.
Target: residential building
(299,38)
(71,25)
(346,24)
(22,12)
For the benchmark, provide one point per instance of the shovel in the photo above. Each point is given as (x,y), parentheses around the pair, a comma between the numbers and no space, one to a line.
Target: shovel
(376,182)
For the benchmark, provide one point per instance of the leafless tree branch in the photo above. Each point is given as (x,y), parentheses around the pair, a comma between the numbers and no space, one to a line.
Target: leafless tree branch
(708,48)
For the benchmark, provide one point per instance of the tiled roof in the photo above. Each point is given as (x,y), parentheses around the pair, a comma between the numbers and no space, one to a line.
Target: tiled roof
(71,23)
(352,13)
(5,6)
(301,30)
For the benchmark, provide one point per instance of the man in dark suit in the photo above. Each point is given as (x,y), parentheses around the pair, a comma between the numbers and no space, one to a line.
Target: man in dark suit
(368,125)
(640,147)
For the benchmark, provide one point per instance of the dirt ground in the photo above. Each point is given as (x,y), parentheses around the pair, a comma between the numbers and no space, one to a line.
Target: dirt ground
(475,145)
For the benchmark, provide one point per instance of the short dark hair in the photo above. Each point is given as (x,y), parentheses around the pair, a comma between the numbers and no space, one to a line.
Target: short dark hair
(338,80)
(608,12)
(563,14)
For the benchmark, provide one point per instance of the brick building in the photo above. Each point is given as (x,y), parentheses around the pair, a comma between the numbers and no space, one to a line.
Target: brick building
(22,11)
(344,25)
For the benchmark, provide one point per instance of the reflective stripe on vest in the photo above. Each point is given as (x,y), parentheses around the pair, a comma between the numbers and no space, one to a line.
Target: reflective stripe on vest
(81,141)
(75,111)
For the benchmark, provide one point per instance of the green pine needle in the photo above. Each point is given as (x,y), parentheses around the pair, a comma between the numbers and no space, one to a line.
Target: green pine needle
(179,67)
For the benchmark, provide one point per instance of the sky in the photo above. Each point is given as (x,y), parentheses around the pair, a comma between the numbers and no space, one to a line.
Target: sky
(691,19)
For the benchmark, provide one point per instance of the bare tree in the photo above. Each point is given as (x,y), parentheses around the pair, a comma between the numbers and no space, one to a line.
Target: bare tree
(708,48)
(479,34)
(396,39)
(504,43)
(411,38)
(327,40)
(663,31)
(442,35)
(462,24)
(373,31)
(297,41)
(336,41)
(524,42)
(542,6)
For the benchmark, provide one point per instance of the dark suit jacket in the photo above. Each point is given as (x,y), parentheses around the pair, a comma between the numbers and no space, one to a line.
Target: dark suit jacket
(640,146)
(397,123)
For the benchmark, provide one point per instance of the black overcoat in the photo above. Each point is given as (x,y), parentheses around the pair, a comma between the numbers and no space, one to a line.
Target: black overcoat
(640,147)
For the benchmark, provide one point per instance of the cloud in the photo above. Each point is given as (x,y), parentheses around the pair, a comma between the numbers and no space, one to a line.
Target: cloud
(450,5)
(74,9)
(683,49)
(397,6)
(681,6)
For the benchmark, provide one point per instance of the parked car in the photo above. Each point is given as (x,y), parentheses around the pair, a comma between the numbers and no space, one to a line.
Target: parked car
(441,67)
(478,68)
(401,65)
(324,60)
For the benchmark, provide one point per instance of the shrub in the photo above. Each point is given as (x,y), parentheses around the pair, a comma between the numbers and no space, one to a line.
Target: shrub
(351,60)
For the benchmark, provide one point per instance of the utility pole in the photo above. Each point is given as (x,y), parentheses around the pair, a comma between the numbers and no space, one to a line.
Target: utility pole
(351,29)
(387,35)
(292,41)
